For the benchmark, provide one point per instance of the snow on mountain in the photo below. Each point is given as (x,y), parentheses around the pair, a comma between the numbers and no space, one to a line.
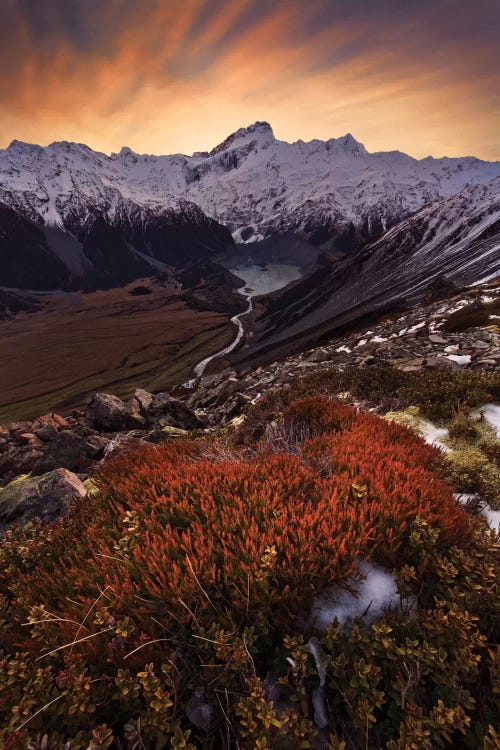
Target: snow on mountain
(331,193)
(79,212)
(253,183)
(453,240)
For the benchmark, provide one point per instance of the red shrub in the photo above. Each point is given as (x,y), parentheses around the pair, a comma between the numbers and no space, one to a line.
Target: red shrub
(256,539)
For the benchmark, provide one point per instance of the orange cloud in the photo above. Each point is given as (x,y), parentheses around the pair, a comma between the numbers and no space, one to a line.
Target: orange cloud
(168,82)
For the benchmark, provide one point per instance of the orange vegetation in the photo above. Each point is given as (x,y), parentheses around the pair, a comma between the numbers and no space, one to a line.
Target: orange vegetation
(173,543)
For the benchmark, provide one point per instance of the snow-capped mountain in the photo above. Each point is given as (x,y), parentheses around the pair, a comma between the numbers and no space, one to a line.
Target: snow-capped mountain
(454,240)
(96,214)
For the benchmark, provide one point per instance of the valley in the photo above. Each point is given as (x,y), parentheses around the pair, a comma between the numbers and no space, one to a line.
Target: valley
(106,340)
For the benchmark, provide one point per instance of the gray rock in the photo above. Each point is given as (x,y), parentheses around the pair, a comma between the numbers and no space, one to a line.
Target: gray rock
(412,365)
(17,459)
(480,345)
(47,497)
(440,363)
(110,414)
(70,451)
(437,339)
(170,412)
(140,403)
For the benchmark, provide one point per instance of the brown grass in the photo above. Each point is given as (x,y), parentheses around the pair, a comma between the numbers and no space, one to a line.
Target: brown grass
(107,340)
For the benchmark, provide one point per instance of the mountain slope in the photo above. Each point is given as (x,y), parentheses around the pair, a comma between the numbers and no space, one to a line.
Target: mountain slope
(64,224)
(325,191)
(456,240)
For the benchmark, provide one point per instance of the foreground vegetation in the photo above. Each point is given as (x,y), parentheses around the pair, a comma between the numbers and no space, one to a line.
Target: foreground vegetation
(172,609)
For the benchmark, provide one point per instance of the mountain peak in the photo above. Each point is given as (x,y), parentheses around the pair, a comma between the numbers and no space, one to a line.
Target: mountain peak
(349,144)
(260,130)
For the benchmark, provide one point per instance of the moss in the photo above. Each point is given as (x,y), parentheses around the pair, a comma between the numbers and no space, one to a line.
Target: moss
(474,457)
(409,417)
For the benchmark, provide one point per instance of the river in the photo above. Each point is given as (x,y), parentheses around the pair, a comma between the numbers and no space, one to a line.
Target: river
(258,280)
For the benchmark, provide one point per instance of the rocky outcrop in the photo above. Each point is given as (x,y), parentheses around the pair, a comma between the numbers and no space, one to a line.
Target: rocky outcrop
(413,341)
(47,497)
(110,414)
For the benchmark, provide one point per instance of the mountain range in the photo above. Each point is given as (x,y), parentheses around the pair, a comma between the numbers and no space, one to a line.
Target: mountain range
(71,217)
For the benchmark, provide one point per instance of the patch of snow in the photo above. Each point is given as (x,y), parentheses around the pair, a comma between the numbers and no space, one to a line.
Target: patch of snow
(378,339)
(416,327)
(464,497)
(492,415)
(460,359)
(492,516)
(434,435)
(343,349)
(451,348)
(361,343)
(373,595)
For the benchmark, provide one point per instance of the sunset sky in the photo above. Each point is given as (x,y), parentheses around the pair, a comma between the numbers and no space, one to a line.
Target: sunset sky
(166,76)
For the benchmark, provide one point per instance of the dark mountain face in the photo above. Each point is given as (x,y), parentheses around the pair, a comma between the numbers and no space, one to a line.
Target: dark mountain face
(26,260)
(99,252)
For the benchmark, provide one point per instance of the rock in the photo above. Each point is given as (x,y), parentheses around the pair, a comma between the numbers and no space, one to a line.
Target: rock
(70,451)
(17,459)
(144,399)
(412,365)
(166,434)
(47,497)
(435,338)
(18,428)
(47,427)
(198,711)
(480,345)
(110,414)
(31,439)
(170,412)
(440,363)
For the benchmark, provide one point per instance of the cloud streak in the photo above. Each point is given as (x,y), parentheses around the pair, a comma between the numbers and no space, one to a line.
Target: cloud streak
(163,76)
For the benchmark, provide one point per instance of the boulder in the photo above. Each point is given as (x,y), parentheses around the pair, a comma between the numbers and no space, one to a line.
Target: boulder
(412,365)
(141,402)
(110,414)
(17,459)
(440,363)
(70,451)
(47,427)
(166,411)
(47,497)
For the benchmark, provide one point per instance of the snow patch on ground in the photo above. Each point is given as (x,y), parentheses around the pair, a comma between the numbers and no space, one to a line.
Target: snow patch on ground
(460,359)
(492,415)
(492,516)
(434,435)
(373,595)
(416,327)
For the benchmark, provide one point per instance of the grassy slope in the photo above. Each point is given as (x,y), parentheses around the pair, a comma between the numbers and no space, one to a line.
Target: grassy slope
(102,341)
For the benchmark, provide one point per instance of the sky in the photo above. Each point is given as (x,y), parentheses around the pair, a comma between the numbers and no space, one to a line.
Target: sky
(168,76)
